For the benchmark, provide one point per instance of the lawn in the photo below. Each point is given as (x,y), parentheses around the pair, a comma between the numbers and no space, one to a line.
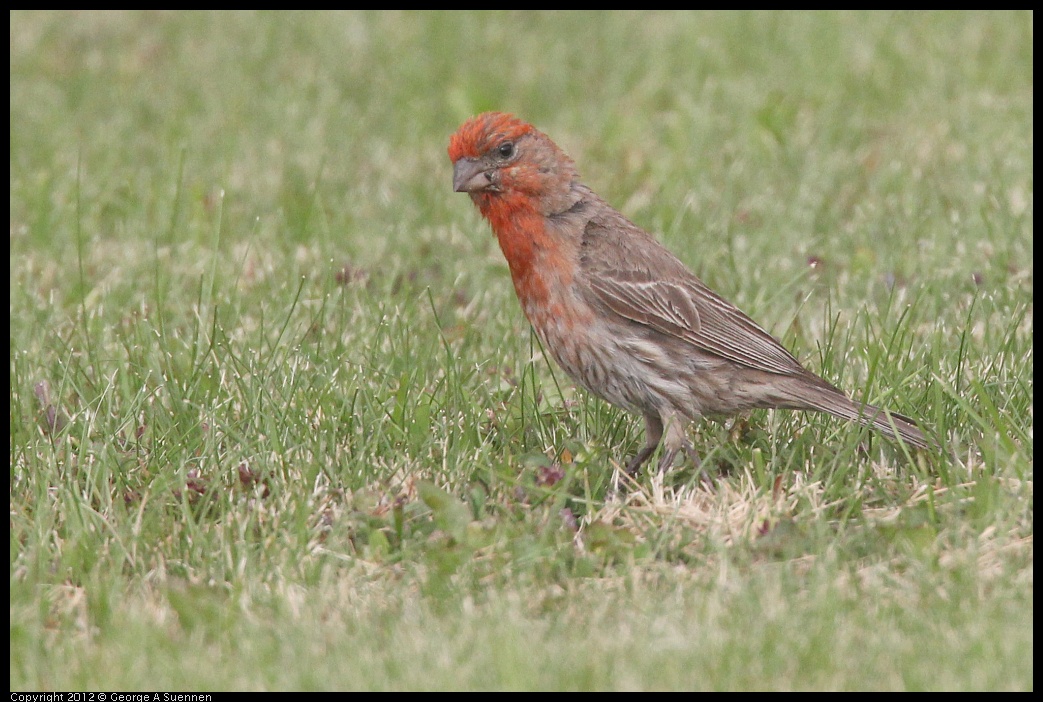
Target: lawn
(277,420)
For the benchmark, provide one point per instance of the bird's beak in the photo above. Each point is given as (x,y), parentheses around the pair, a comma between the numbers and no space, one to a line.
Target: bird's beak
(469,176)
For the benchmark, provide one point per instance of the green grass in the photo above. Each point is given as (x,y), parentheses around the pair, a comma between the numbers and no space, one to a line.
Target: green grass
(277,421)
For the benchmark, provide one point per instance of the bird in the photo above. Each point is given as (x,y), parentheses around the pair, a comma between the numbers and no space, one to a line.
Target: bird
(621,314)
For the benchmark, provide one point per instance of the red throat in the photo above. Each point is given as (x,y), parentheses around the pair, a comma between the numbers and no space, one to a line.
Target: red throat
(518,228)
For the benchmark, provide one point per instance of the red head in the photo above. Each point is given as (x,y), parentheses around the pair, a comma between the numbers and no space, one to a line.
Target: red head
(478,134)
(505,163)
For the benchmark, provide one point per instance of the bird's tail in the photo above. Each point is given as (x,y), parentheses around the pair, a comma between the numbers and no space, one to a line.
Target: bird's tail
(817,394)
(890,424)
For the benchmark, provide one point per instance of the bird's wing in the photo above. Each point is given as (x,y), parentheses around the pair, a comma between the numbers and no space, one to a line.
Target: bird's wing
(664,295)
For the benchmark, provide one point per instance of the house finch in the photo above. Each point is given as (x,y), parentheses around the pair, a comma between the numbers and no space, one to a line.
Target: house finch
(618,312)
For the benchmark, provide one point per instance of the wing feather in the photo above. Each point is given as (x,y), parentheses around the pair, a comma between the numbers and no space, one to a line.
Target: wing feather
(676,303)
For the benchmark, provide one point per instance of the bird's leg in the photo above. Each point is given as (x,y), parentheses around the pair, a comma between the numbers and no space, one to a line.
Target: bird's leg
(675,442)
(653,434)
(667,461)
(635,463)
(690,450)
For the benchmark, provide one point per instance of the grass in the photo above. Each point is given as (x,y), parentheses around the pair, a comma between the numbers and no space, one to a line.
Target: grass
(277,421)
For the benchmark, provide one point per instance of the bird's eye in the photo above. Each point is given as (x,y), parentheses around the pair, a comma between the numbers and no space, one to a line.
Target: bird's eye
(506,149)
